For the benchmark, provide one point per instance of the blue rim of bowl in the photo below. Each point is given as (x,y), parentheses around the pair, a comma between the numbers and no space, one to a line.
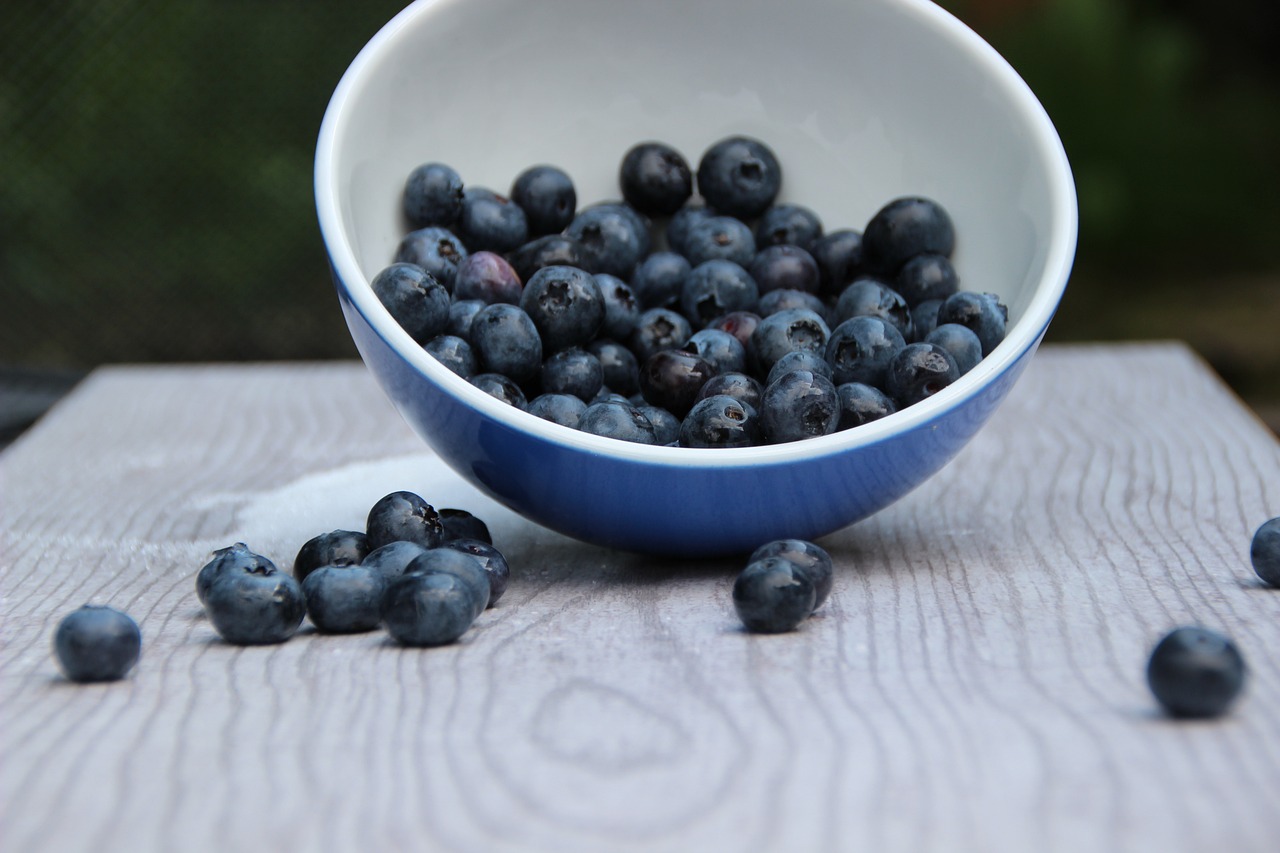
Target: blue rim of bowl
(1022,336)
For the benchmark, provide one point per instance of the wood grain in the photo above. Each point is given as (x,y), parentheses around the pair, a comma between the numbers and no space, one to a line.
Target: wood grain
(975,682)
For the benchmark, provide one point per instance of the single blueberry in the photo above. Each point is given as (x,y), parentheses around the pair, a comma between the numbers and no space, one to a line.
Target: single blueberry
(617,419)
(658,329)
(620,369)
(682,222)
(902,229)
(799,405)
(870,297)
(553,250)
(565,305)
(432,196)
(719,237)
(861,348)
(666,426)
(784,332)
(672,378)
(501,387)
(97,643)
(960,341)
(403,516)
(490,559)
(456,562)
(860,404)
(740,324)
(926,277)
(1264,552)
(659,279)
(255,605)
(434,249)
(742,387)
(785,267)
(573,371)
(428,608)
(1195,672)
(809,558)
(454,353)
(418,302)
(563,409)
(461,524)
(839,259)
(983,313)
(785,300)
(621,307)
(547,197)
(714,288)
(344,599)
(788,224)
(773,595)
(490,222)
(393,558)
(238,557)
(739,176)
(802,359)
(655,178)
(613,237)
(505,340)
(335,548)
(723,351)
(924,318)
(720,421)
(461,313)
(918,371)
(488,277)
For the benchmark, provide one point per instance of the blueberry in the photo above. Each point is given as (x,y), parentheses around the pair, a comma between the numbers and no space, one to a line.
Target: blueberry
(418,302)
(547,197)
(924,318)
(787,331)
(839,259)
(619,420)
(739,176)
(614,238)
(1195,672)
(466,566)
(565,305)
(960,341)
(335,548)
(432,196)
(491,222)
(461,313)
(97,643)
(719,237)
(255,605)
(861,348)
(807,557)
(553,250)
(434,249)
(1264,552)
(621,307)
(742,387)
(918,371)
(682,222)
(573,371)
(740,324)
(461,524)
(501,387)
(403,516)
(723,351)
(860,404)
(344,599)
(490,559)
(788,224)
(926,277)
(785,267)
(785,300)
(799,405)
(802,359)
(563,409)
(870,297)
(659,279)
(720,421)
(714,288)
(672,378)
(488,277)
(655,178)
(427,608)
(393,558)
(237,557)
(621,370)
(981,312)
(902,229)
(666,426)
(454,353)
(658,329)
(505,340)
(773,595)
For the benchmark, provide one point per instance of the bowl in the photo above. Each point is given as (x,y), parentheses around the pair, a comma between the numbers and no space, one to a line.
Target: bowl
(863,101)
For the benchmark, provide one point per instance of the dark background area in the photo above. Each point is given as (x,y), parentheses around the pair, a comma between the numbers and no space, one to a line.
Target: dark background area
(156,204)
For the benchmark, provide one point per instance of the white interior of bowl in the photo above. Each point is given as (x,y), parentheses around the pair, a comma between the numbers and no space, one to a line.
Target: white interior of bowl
(862,100)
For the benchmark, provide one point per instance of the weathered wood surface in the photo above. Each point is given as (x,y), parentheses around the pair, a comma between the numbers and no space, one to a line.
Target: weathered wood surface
(974,684)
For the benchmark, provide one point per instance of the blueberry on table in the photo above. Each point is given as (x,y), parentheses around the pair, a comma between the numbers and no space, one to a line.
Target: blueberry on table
(1195,672)
(655,178)
(403,517)
(799,405)
(237,556)
(805,556)
(785,267)
(739,176)
(488,277)
(491,222)
(461,524)
(553,250)
(434,249)
(714,288)
(904,228)
(788,224)
(393,558)
(547,197)
(335,548)
(491,560)
(773,595)
(617,419)
(1264,552)
(255,605)
(505,340)
(464,565)
(412,296)
(344,599)
(918,371)
(428,608)
(983,313)
(565,305)
(861,403)
(97,643)
(614,238)
(721,237)
(720,421)
(432,196)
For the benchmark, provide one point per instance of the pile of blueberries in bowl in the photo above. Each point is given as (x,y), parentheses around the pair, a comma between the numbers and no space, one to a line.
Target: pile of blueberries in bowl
(691,356)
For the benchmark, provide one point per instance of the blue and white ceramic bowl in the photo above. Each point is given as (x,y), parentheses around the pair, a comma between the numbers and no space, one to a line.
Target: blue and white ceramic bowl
(862,100)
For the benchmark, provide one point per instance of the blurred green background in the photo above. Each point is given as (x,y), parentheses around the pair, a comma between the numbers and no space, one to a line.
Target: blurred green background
(155,188)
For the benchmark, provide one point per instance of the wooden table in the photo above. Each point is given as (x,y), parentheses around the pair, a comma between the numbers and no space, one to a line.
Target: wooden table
(975,683)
